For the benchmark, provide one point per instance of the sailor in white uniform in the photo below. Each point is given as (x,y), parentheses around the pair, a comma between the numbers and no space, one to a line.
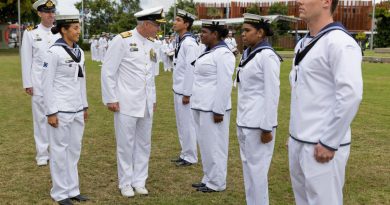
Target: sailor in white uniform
(231,42)
(128,89)
(103,44)
(94,48)
(64,93)
(257,108)
(35,43)
(186,52)
(326,90)
(211,105)
(157,48)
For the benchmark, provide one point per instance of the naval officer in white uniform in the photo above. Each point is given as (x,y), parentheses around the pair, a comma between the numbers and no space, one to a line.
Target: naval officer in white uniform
(186,52)
(35,43)
(326,90)
(211,105)
(129,91)
(257,107)
(65,97)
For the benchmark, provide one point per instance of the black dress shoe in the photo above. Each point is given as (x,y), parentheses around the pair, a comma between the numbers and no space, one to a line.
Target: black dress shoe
(205,189)
(177,160)
(80,198)
(65,202)
(183,163)
(198,185)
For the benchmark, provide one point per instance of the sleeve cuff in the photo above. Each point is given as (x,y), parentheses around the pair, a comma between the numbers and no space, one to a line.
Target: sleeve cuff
(215,113)
(328,147)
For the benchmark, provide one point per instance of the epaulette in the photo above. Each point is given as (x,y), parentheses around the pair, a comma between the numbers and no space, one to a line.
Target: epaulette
(150,39)
(126,34)
(30,28)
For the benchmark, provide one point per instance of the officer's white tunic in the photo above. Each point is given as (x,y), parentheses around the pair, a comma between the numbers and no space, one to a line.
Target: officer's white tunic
(128,78)
(157,48)
(183,75)
(65,95)
(326,90)
(211,94)
(258,98)
(34,46)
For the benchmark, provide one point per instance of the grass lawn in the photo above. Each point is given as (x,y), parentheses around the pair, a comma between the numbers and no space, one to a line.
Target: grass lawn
(22,182)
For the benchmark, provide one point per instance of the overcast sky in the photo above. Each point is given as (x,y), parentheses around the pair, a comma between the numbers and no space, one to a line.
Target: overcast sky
(144,3)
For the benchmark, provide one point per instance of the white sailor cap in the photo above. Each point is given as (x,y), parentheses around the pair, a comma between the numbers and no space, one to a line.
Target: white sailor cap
(213,24)
(45,5)
(258,22)
(185,15)
(253,18)
(67,15)
(153,14)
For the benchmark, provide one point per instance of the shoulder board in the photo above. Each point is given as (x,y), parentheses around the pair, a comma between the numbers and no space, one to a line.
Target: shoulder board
(126,34)
(30,28)
(150,39)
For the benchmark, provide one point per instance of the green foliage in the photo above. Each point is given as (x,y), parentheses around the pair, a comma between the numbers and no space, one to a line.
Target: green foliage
(253,9)
(361,36)
(382,38)
(9,12)
(186,5)
(280,27)
(213,12)
(110,16)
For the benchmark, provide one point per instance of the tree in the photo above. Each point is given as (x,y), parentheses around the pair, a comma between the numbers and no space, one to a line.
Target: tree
(382,38)
(280,27)
(253,9)
(9,12)
(110,16)
(186,5)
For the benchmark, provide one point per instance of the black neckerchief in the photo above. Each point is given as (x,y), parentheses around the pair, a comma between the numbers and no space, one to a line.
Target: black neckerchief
(250,53)
(179,41)
(302,51)
(75,53)
(221,44)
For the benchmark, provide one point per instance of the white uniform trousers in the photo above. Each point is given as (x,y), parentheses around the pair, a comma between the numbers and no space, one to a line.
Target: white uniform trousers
(256,159)
(316,183)
(213,139)
(185,130)
(40,128)
(65,148)
(133,140)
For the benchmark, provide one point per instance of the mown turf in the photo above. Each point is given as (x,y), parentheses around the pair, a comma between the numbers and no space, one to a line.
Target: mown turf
(22,182)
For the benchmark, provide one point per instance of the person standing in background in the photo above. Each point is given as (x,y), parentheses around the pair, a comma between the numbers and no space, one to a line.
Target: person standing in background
(34,46)
(186,52)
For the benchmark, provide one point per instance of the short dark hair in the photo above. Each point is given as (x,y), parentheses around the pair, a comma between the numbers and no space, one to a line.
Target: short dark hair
(334,6)
(57,29)
(190,22)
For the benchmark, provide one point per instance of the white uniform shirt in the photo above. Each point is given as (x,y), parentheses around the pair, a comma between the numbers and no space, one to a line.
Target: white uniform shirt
(183,72)
(103,43)
(211,91)
(258,91)
(63,90)
(326,91)
(35,44)
(128,74)
(231,43)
